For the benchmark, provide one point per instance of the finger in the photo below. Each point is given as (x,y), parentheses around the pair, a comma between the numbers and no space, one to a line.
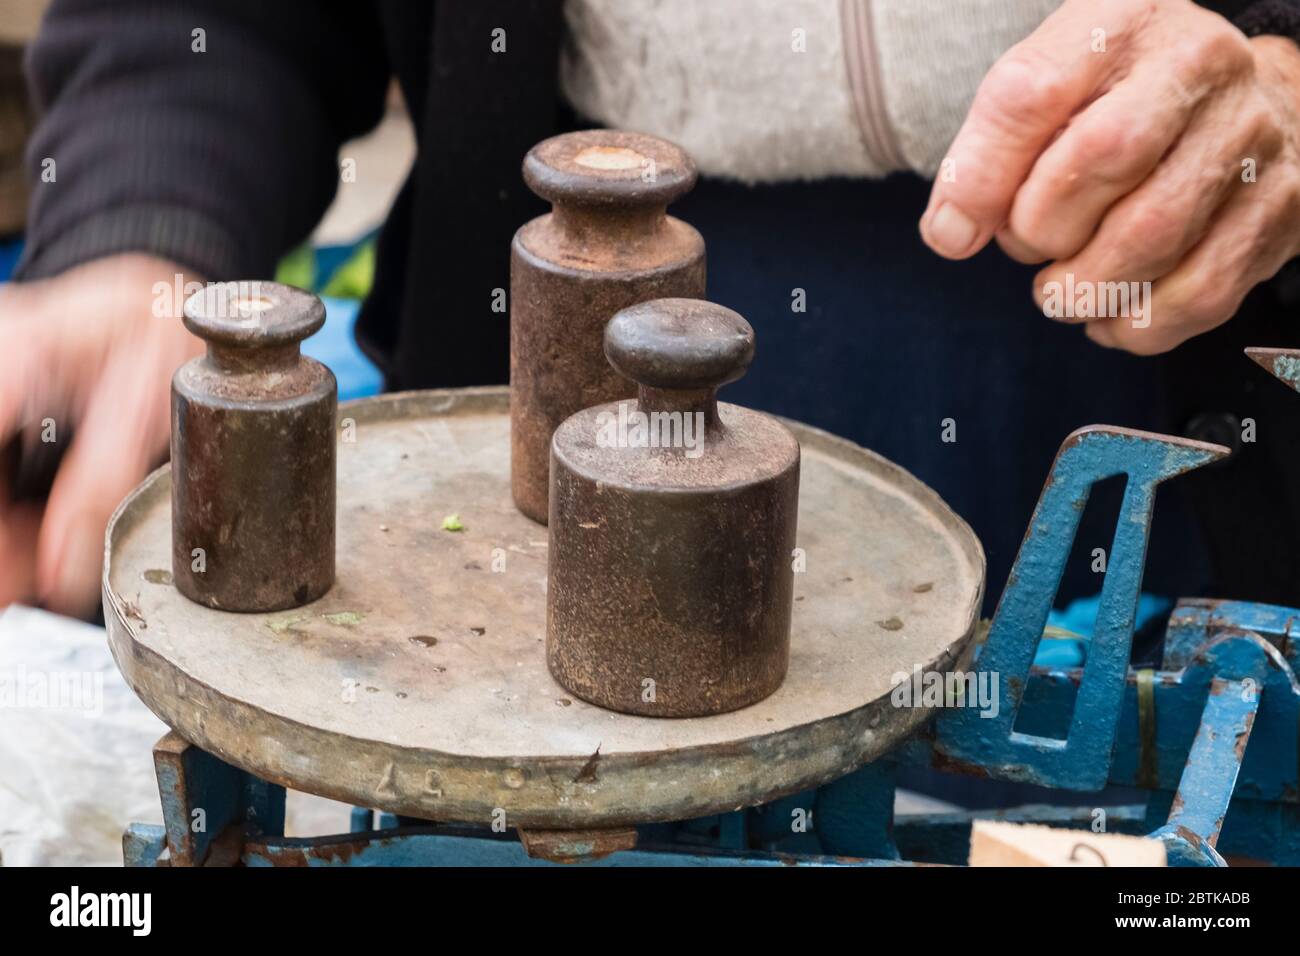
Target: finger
(1016,249)
(1106,151)
(1025,98)
(1147,233)
(111,453)
(1177,111)
(1208,286)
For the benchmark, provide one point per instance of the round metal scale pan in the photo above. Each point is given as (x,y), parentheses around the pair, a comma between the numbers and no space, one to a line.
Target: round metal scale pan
(418,685)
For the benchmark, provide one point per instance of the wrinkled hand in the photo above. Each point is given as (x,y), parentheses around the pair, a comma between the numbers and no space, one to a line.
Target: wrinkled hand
(83,352)
(1131,142)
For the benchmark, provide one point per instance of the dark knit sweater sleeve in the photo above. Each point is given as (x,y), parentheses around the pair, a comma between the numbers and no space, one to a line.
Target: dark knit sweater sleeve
(1260,17)
(203,131)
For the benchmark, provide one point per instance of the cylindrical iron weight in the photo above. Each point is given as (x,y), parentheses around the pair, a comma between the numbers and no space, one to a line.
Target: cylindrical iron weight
(253,452)
(672,526)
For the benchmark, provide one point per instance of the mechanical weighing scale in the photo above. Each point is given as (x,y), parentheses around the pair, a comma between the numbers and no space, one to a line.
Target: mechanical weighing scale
(418,685)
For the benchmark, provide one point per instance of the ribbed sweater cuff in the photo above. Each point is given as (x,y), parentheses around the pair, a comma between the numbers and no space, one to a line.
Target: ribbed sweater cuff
(169,232)
(1270,18)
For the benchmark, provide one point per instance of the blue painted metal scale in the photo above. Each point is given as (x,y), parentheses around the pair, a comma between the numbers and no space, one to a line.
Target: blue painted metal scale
(1212,736)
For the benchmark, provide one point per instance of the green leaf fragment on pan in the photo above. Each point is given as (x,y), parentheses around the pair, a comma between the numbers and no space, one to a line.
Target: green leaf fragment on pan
(282,624)
(893,624)
(345,618)
(452,523)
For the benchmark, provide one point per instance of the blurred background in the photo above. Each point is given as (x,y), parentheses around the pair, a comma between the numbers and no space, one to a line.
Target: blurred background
(54,807)
(337,262)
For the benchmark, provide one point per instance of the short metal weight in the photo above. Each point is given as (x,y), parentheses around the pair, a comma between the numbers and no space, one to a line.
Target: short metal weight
(253,452)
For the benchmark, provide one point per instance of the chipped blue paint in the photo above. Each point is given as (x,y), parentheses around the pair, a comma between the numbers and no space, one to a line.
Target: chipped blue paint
(1194,620)
(1236,687)
(1287,368)
(1205,789)
(1282,364)
(143,844)
(1080,760)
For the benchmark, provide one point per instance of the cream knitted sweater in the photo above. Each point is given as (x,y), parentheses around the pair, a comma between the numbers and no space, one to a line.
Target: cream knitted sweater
(770,90)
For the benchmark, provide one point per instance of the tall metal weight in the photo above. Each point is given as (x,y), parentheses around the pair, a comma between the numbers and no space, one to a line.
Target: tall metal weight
(253,452)
(607,244)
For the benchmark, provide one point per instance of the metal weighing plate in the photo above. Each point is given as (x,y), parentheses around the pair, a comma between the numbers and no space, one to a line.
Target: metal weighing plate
(418,685)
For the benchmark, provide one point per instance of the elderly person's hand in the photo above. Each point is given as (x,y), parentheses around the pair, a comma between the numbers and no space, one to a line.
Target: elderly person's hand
(1131,142)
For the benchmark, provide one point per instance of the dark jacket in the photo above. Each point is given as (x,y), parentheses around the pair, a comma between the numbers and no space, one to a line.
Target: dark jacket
(224,159)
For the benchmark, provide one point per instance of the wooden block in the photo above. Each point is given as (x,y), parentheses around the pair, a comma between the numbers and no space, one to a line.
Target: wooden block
(994,843)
